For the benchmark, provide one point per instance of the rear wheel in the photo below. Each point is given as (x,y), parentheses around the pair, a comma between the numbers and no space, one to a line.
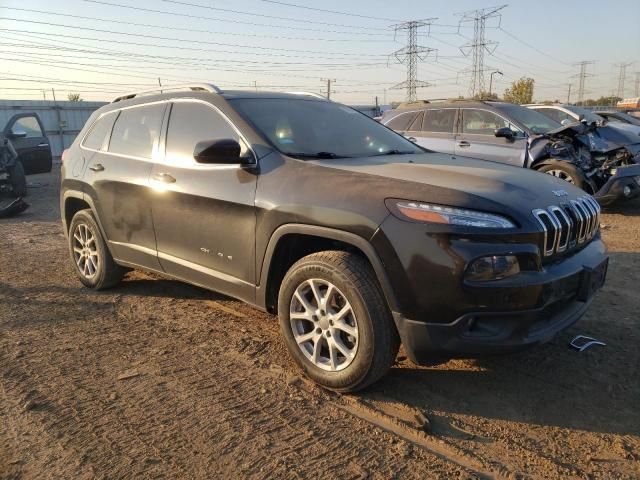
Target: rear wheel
(93,261)
(565,171)
(335,322)
(17,179)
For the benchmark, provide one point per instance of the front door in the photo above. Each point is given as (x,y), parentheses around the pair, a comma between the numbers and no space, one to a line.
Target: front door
(476,138)
(28,137)
(204,214)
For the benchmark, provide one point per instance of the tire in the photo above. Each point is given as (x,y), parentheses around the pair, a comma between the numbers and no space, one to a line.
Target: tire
(90,256)
(364,338)
(565,171)
(18,180)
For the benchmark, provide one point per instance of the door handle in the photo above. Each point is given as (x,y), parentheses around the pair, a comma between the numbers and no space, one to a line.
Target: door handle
(164,178)
(98,167)
(464,143)
(43,144)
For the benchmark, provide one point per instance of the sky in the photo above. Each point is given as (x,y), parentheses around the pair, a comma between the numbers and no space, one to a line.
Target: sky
(103,48)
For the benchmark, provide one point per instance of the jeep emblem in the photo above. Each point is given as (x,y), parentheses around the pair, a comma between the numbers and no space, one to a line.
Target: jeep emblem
(560,193)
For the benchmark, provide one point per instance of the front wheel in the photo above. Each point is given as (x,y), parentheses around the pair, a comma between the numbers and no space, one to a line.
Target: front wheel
(335,321)
(565,171)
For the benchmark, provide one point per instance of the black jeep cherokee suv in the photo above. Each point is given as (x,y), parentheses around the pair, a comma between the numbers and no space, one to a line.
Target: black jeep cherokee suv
(357,238)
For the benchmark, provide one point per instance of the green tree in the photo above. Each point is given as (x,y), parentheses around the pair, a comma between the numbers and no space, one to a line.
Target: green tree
(485,96)
(521,91)
(74,97)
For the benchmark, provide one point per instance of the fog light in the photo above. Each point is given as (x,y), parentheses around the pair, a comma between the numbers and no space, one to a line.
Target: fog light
(494,267)
(626,190)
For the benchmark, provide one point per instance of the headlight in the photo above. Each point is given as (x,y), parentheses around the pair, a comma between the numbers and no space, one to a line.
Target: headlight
(429,213)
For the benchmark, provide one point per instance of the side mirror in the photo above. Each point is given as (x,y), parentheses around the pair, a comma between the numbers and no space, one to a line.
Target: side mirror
(504,132)
(226,151)
(581,117)
(566,121)
(17,134)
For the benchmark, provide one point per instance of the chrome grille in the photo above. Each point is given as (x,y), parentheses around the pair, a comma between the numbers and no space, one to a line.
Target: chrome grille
(568,225)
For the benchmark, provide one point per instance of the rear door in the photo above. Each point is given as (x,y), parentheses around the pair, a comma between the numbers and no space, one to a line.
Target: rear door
(204,214)
(34,150)
(476,138)
(117,176)
(438,130)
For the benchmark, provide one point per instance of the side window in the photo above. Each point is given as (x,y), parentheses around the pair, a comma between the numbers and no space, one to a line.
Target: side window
(481,122)
(191,123)
(137,130)
(99,132)
(557,115)
(402,121)
(416,125)
(29,125)
(439,121)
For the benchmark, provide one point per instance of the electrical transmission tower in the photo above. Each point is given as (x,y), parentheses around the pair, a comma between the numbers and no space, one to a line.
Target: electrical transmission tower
(478,45)
(411,55)
(582,76)
(622,76)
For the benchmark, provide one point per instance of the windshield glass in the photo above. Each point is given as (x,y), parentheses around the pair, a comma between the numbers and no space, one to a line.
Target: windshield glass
(312,128)
(589,116)
(533,121)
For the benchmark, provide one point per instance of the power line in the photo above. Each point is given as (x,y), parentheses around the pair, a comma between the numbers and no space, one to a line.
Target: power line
(411,55)
(189,29)
(479,44)
(224,20)
(531,46)
(201,42)
(286,4)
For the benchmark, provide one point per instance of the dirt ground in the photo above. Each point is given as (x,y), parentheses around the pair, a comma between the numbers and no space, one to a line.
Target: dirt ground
(158,379)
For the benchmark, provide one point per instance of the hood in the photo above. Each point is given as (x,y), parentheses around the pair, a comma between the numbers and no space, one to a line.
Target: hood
(459,181)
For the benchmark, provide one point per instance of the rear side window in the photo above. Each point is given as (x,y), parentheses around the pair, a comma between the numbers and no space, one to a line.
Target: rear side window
(191,123)
(99,131)
(401,122)
(439,121)
(481,122)
(137,130)
(29,125)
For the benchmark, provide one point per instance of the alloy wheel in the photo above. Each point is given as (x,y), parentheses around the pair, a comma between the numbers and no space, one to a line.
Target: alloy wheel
(561,174)
(85,252)
(324,325)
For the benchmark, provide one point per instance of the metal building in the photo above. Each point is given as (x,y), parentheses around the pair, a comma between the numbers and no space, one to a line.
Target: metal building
(62,120)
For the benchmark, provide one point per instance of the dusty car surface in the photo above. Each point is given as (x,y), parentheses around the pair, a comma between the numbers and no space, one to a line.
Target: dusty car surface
(507,133)
(355,237)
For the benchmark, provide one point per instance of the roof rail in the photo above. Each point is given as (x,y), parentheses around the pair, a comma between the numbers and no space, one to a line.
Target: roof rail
(207,87)
(310,94)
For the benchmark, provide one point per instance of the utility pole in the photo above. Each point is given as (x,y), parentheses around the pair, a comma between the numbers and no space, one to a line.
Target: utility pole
(569,94)
(44,94)
(582,76)
(329,82)
(622,77)
(637,94)
(411,55)
(478,45)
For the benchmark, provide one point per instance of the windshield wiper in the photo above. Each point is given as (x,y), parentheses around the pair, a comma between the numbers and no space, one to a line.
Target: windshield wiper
(396,152)
(321,155)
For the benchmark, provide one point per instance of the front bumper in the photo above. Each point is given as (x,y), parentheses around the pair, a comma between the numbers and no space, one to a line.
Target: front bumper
(557,296)
(614,189)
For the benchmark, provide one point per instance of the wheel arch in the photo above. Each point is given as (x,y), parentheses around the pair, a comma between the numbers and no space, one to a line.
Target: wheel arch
(72,202)
(291,242)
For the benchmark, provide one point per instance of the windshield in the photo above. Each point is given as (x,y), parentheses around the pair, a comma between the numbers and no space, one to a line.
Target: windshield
(533,121)
(588,115)
(312,128)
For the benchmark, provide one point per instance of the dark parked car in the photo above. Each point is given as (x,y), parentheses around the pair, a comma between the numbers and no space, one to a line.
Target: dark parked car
(356,237)
(28,136)
(507,133)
